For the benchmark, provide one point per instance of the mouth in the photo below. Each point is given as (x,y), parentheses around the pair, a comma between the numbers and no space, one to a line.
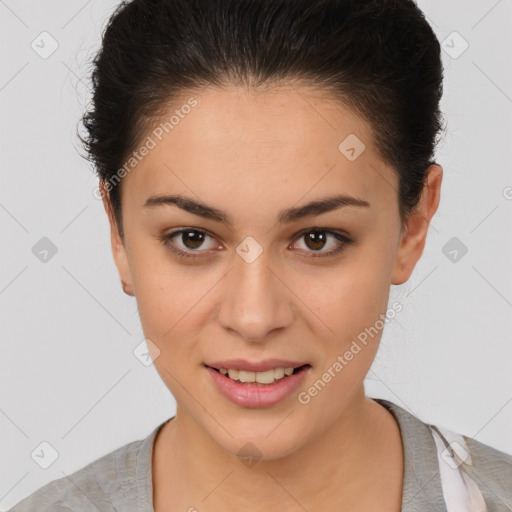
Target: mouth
(257,385)
(260,378)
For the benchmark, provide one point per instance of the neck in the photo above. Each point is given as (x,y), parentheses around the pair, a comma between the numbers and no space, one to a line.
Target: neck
(353,456)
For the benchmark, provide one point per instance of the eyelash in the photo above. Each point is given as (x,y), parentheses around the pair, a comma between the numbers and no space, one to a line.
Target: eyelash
(166,240)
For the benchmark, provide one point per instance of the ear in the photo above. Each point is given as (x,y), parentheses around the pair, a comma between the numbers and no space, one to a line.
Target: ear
(118,246)
(416,228)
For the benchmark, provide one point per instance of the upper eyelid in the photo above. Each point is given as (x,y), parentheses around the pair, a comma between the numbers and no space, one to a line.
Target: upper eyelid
(298,235)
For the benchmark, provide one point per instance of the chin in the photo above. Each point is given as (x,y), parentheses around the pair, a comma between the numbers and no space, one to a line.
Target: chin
(266,439)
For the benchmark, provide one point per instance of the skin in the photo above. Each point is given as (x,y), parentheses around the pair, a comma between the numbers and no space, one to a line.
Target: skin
(252,154)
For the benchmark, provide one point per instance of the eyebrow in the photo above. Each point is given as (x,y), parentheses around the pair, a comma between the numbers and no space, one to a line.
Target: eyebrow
(289,215)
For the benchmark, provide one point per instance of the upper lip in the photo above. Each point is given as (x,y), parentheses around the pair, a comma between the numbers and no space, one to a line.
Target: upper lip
(255,366)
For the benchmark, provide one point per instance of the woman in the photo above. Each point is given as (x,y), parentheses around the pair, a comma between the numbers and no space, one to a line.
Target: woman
(267,170)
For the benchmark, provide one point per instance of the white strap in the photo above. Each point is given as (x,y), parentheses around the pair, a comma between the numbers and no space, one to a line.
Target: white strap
(460,491)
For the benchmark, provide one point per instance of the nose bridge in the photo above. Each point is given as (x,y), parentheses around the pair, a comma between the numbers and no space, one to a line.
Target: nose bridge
(254,302)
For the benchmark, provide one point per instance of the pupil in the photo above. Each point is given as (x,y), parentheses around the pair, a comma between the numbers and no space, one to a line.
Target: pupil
(188,237)
(316,237)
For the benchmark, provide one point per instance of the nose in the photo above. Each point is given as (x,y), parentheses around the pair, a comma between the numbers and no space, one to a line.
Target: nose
(254,303)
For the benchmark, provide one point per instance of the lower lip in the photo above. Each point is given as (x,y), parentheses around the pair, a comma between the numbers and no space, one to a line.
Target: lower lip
(254,396)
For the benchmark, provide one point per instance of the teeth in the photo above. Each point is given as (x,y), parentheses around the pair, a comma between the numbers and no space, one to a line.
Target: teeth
(233,374)
(279,373)
(246,376)
(267,377)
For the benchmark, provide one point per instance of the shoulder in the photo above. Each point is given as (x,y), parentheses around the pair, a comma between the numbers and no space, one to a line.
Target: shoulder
(93,487)
(492,471)
(473,468)
(449,470)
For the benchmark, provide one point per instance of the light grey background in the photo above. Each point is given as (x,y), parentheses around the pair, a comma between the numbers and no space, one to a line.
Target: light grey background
(68,373)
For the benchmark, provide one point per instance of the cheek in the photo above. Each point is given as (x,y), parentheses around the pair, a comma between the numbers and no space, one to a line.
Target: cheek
(166,291)
(352,303)
(167,301)
(348,297)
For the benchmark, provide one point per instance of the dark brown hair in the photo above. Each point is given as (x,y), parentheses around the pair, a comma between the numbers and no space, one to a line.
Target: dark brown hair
(379,57)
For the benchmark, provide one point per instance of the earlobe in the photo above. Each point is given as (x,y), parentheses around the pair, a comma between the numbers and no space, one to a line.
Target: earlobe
(128,289)
(410,250)
(118,246)
(413,240)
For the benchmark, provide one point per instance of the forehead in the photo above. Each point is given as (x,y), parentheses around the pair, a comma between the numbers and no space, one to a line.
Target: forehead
(283,143)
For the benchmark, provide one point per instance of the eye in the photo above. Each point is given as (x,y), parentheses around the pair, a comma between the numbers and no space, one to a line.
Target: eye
(318,238)
(192,239)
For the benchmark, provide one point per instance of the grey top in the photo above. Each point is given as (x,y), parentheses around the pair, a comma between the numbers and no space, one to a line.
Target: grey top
(121,480)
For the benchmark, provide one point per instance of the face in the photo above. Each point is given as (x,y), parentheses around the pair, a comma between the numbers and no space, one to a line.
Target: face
(258,281)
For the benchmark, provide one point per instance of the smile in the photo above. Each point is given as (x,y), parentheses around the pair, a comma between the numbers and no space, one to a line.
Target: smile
(257,389)
(264,378)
